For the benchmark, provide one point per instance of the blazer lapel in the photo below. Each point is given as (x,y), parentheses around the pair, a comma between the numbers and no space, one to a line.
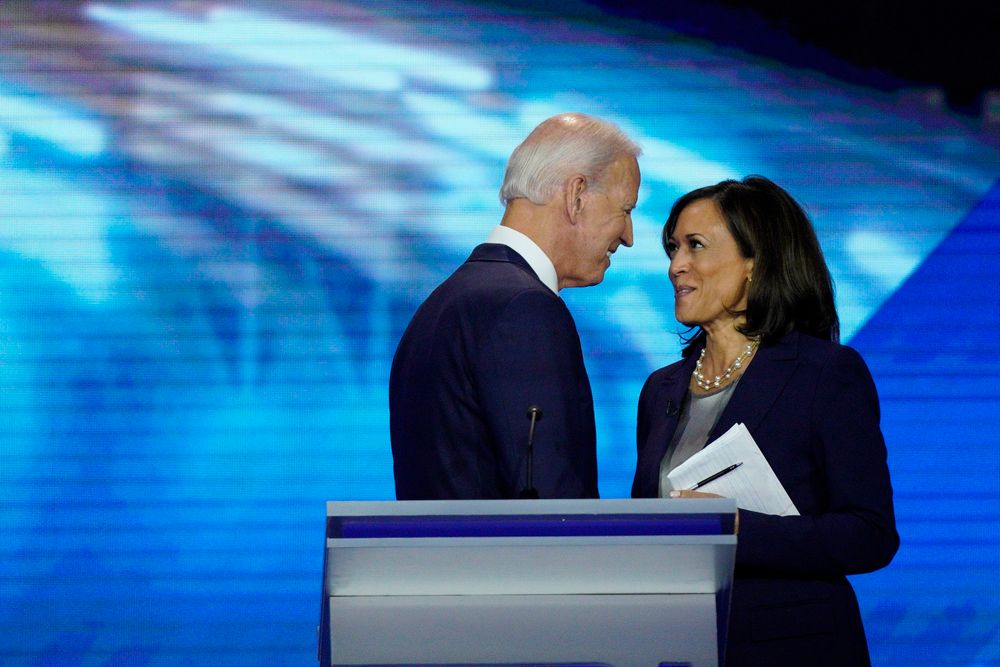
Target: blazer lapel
(760,386)
(667,404)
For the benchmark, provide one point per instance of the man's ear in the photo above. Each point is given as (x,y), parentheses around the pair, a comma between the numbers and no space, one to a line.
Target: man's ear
(575,187)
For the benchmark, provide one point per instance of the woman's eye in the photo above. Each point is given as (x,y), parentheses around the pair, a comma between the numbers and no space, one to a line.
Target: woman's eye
(671,249)
(696,244)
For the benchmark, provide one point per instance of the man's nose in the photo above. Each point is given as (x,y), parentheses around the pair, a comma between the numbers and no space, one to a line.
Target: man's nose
(627,234)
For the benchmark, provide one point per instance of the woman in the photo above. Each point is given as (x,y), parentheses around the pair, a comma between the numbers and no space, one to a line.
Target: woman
(750,279)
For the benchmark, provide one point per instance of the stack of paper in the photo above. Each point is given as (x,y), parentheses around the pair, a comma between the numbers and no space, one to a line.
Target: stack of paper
(752,484)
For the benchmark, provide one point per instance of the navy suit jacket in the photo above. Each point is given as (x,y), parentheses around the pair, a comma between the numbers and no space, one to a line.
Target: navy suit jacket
(488,343)
(812,407)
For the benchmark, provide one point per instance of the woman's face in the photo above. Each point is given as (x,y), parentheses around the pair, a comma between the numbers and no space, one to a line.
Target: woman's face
(706,268)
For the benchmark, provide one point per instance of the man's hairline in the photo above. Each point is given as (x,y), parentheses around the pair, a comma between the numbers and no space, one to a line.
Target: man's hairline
(596,184)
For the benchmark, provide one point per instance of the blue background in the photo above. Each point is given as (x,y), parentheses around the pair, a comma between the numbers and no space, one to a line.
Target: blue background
(217,218)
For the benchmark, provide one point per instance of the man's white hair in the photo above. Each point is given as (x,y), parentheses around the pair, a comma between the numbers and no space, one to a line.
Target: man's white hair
(560,147)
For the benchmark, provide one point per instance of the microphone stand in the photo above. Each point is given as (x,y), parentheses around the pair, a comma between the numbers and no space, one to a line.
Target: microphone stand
(530,492)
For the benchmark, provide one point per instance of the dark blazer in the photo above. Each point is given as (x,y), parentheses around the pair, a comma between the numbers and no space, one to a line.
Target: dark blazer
(488,343)
(812,408)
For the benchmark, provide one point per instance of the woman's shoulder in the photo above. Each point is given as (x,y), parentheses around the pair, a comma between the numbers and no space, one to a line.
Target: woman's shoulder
(820,347)
(822,353)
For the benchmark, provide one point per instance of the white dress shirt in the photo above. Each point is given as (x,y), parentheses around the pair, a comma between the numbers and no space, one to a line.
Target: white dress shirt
(529,250)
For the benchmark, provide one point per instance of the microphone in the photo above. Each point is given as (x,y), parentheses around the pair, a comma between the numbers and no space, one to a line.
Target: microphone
(530,492)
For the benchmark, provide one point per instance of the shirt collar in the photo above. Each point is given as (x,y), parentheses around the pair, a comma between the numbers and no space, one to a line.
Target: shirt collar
(529,250)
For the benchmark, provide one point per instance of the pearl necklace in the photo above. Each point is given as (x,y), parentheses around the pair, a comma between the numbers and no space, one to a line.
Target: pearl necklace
(727,375)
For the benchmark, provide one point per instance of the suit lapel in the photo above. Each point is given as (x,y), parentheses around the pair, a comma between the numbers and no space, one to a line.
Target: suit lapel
(760,386)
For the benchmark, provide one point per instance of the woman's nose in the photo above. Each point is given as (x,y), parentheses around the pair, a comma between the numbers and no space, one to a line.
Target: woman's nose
(678,264)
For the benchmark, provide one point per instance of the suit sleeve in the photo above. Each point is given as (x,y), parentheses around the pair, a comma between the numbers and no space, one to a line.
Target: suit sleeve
(533,357)
(856,531)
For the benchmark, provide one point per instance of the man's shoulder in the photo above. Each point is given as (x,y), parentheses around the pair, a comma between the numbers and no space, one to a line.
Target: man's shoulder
(511,297)
(494,276)
(485,294)
(492,260)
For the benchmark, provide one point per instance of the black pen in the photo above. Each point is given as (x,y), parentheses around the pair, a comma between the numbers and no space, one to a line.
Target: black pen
(712,478)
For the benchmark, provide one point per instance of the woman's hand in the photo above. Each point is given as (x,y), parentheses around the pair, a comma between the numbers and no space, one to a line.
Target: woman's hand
(693,494)
(702,494)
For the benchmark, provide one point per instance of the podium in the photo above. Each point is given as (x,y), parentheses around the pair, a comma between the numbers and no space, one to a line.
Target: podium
(527,582)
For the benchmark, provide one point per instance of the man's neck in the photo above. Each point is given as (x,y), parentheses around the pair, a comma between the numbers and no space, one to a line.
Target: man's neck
(524,246)
(538,222)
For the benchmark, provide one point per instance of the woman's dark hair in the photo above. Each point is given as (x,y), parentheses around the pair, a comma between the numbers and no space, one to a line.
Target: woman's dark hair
(791,289)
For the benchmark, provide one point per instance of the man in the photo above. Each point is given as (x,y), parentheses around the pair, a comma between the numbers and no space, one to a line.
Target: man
(495,338)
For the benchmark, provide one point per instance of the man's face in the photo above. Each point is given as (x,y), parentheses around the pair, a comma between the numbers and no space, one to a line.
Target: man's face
(604,223)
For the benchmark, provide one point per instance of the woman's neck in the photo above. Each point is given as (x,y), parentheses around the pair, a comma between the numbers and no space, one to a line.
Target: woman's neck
(722,345)
(722,349)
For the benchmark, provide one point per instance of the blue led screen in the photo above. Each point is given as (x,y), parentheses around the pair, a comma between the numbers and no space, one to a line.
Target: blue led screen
(216,219)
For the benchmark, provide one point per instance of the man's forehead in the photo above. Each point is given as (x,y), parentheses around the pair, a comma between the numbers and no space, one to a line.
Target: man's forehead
(626,174)
(625,168)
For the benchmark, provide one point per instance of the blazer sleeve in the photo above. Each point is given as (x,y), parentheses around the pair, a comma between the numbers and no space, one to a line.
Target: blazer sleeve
(533,357)
(855,531)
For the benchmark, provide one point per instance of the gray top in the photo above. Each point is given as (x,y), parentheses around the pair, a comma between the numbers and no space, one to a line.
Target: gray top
(698,417)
